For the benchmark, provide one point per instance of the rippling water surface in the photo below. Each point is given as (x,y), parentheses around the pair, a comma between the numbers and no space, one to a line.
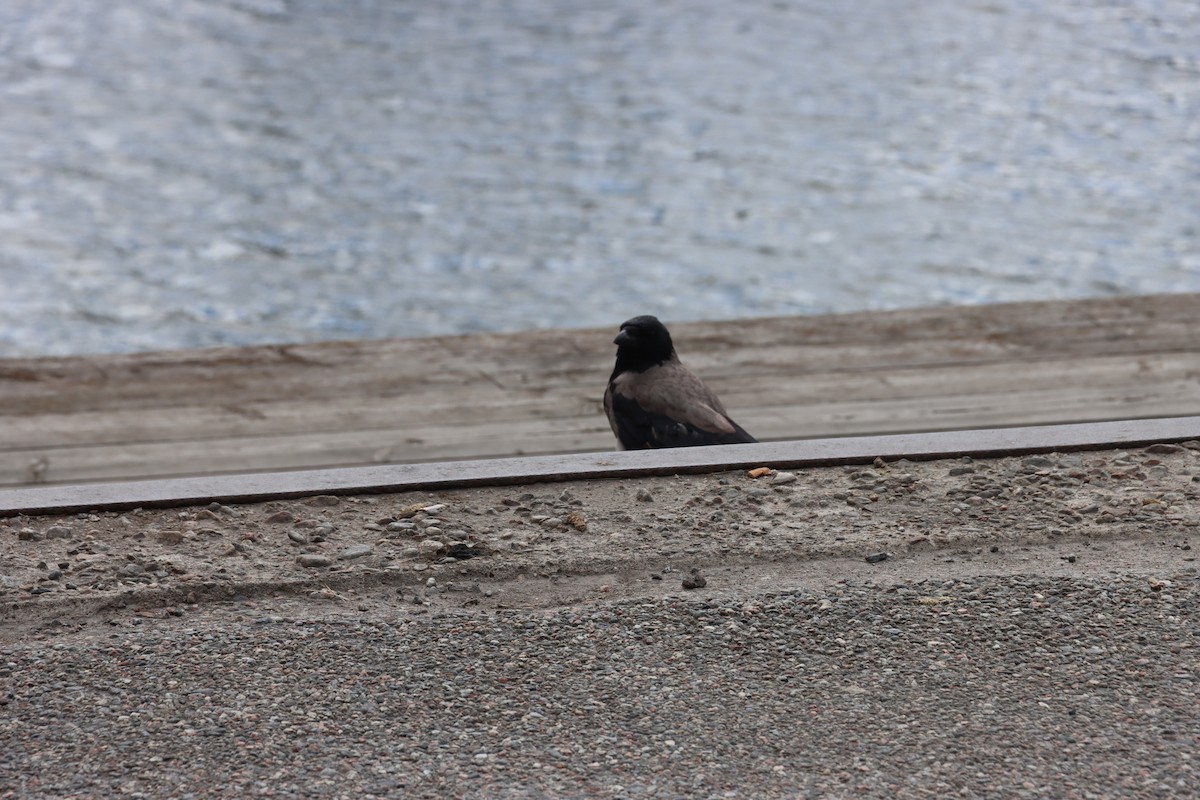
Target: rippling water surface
(184,173)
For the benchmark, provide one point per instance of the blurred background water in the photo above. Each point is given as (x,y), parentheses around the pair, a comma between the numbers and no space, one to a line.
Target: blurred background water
(186,173)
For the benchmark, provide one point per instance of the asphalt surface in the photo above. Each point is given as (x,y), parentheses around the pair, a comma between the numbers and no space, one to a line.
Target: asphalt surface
(1016,686)
(971,628)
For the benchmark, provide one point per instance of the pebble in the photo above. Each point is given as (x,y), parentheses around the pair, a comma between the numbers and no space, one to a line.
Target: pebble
(281,516)
(643,495)
(299,537)
(428,547)
(59,532)
(314,560)
(875,558)
(460,551)
(355,551)
(694,580)
(781,478)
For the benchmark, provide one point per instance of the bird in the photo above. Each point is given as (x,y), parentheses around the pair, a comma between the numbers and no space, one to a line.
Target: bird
(653,400)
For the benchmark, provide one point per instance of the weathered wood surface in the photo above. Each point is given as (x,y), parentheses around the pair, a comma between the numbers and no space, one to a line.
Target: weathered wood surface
(487,395)
(791,454)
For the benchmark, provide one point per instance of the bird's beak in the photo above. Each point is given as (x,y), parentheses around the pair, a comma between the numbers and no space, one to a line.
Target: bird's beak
(623,338)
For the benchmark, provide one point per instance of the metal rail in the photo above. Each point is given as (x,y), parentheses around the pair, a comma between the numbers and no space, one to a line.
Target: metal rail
(258,487)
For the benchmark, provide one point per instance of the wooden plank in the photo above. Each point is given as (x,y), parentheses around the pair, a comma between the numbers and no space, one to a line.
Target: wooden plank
(300,450)
(683,460)
(885,386)
(277,407)
(537,360)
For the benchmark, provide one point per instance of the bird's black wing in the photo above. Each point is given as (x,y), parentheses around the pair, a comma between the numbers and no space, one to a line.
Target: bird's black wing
(639,429)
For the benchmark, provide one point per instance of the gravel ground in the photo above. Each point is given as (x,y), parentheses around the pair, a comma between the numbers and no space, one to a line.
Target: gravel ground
(1014,627)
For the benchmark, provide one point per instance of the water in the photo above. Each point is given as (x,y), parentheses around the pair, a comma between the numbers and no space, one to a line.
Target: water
(185,173)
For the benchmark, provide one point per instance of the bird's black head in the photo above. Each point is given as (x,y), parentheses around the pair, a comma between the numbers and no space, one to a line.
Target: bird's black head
(642,343)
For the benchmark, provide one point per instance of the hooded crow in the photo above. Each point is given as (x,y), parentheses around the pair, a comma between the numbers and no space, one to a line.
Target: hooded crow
(653,400)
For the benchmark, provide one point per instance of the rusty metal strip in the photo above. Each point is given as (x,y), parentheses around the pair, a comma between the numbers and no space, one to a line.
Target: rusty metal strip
(257,487)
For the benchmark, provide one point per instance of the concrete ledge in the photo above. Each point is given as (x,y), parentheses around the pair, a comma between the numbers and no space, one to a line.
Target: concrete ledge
(257,487)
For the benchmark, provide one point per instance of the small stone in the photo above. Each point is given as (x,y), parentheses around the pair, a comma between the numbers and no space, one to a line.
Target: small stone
(282,516)
(314,560)
(644,496)
(1164,448)
(462,551)
(434,509)
(962,470)
(323,500)
(552,522)
(299,537)
(169,537)
(130,570)
(875,558)
(694,580)
(29,535)
(782,478)
(429,547)
(401,526)
(59,532)
(355,551)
